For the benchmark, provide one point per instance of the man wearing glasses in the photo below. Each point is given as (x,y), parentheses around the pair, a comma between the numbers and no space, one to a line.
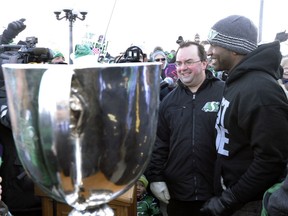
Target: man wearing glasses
(182,163)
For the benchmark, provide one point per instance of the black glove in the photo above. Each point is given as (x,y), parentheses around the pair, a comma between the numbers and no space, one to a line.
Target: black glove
(4,209)
(224,205)
(13,29)
(281,36)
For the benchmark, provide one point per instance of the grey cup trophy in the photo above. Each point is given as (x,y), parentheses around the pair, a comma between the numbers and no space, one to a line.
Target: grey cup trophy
(84,134)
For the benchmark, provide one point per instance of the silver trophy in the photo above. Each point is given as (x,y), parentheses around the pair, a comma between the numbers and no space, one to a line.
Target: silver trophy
(84,134)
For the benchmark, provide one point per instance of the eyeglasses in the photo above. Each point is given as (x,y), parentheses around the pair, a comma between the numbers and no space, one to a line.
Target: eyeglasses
(160,59)
(187,63)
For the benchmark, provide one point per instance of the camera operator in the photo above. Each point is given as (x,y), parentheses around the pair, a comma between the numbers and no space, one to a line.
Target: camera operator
(17,187)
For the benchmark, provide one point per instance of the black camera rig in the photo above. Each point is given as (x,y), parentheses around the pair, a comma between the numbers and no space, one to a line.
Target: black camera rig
(132,54)
(25,52)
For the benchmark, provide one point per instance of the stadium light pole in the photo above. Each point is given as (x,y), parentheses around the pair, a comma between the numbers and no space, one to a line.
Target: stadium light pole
(71,16)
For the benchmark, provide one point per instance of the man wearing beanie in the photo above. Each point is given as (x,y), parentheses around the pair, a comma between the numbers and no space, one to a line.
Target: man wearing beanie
(252,123)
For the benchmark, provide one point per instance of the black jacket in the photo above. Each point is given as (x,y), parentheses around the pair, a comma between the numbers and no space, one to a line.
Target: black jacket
(184,152)
(252,126)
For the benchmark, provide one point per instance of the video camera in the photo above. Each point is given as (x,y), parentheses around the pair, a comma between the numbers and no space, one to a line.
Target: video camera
(25,52)
(132,54)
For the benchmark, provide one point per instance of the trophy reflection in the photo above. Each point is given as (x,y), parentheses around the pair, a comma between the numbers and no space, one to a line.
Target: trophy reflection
(84,135)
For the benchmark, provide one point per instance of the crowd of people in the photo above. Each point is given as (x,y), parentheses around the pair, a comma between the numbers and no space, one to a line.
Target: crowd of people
(221,143)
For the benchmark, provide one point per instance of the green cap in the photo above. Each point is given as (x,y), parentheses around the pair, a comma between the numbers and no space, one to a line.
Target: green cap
(57,54)
(144,180)
(82,50)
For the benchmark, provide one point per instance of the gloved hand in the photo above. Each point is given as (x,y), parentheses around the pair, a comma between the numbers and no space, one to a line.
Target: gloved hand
(160,190)
(13,29)
(224,205)
(4,209)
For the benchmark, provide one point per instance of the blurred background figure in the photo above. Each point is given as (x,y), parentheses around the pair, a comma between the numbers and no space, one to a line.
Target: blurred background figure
(147,205)
(58,58)
(3,207)
(171,56)
(180,40)
(168,82)
(83,55)
(197,38)
(281,36)
(17,189)
(160,56)
(284,79)
(13,29)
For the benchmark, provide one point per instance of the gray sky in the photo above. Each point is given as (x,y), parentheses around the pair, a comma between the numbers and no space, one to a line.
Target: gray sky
(146,23)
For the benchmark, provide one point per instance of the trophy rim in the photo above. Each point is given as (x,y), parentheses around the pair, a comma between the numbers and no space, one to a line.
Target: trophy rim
(81,66)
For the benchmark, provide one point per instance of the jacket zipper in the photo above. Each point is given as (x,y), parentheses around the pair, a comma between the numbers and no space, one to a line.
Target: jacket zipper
(193,141)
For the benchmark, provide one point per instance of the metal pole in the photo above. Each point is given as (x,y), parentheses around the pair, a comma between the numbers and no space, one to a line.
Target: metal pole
(107,27)
(70,40)
(71,17)
(260,21)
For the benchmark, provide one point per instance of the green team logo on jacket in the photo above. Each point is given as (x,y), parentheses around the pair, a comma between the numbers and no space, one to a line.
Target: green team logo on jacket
(212,106)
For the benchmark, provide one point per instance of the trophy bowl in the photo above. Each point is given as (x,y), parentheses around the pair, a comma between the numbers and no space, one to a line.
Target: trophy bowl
(84,134)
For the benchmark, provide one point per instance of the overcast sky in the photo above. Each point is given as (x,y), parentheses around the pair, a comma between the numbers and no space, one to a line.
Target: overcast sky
(146,23)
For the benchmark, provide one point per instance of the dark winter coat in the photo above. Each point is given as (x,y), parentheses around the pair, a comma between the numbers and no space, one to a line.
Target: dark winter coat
(252,126)
(184,151)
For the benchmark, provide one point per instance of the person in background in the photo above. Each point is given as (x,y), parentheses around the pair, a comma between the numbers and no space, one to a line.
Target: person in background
(284,78)
(58,58)
(145,58)
(160,56)
(147,205)
(3,207)
(181,167)
(171,56)
(179,40)
(252,123)
(84,55)
(281,36)
(157,48)
(17,187)
(0,188)
(275,200)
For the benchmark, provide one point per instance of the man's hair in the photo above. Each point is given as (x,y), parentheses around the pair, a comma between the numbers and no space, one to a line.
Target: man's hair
(201,50)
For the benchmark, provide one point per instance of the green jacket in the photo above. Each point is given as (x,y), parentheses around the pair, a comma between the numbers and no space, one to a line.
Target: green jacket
(148,206)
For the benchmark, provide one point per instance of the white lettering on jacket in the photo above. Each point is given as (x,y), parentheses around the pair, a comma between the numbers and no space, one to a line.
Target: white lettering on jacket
(221,139)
